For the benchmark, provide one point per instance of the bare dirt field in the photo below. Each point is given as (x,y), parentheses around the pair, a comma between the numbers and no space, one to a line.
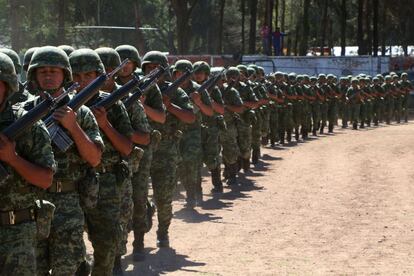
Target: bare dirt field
(339,204)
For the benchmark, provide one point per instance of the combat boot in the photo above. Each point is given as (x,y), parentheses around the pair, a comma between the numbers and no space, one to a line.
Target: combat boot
(314,132)
(355,126)
(282,138)
(163,241)
(265,140)
(117,270)
(232,180)
(289,136)
(362,125)
(255,156)
(330,128)
(216,181)
(138,253)
(246,165)
(150,214)
(321,130)
(226,171)
(84,269)
(297,135)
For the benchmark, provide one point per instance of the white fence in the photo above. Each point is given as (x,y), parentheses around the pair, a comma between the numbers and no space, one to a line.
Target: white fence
(339,66)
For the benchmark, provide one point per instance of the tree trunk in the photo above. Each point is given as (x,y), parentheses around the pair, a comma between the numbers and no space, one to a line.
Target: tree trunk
(252,31)
(276,14)
(269,20)
(343,27)
(323,27)
(15,25)
(368,36)
(375,4)
(61,22)
(360,31)
(305,29)
(282,24)
(384,29)
(243,19)
(182,13)
(289,42)
(139,34)
(221,27)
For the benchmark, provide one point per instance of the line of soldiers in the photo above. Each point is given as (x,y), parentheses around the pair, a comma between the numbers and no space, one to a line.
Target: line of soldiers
(100,184)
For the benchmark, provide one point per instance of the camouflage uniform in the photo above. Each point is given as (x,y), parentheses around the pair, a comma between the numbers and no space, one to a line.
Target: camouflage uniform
(189,170)
(166,156)
(407,86)
(389,99)
(140,178)
(228,138)
(354,98)
(211,129)
(64,250)
(18,240)
(103,222)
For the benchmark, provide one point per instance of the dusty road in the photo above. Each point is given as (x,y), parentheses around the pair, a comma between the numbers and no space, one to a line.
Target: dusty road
(340,204)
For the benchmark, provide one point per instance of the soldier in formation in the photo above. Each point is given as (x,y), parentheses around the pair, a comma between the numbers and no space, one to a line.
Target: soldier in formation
(190,116)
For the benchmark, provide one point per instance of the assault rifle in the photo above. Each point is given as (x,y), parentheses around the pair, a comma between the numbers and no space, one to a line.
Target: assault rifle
(14,130)
(148,81)
(58,136)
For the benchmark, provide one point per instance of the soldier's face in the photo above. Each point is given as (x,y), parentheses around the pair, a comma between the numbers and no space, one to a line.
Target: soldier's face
(200,77)
(149,67)
(3,92)
(84,78)
(127,70)
(50,78)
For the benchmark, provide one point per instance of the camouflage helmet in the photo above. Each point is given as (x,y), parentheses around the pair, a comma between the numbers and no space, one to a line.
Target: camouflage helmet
(242,69)
(404,75)
(233,72)
(254,66)
(215,70)
(330,76)
(354,81)
(375,79)
(261,70)
(14,57)
(8,73)
(321,76)
(86,60)
(27,57)
(155,57)
(251,71)
(49,56)
(67,49)
(129,52)
(313,79)
(388,78)
(183,65)
(201,66)
(292,76)
(109,57)
(279,74)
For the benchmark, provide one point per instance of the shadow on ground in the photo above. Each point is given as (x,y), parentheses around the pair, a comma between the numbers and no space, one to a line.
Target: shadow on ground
(162,261)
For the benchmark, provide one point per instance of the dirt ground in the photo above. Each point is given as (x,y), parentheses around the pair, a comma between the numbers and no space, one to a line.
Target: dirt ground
(338,204)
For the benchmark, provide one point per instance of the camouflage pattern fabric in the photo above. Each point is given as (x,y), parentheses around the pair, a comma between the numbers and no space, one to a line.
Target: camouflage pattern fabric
(18,242)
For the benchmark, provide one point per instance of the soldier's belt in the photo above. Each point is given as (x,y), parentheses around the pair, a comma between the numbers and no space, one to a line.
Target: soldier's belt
(105,168)
(17,216)
(66,186)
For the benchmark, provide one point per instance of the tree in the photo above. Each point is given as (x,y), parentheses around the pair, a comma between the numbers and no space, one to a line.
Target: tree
(360,32)
(323,26)
(243,18)
(183,9)
(375,6)
(343,27)
(252,31)
(305,29)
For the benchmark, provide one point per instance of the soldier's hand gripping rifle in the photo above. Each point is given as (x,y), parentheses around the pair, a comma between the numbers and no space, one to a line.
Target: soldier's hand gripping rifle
(147,82)
(25,122)
(58,136)
(174,86)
